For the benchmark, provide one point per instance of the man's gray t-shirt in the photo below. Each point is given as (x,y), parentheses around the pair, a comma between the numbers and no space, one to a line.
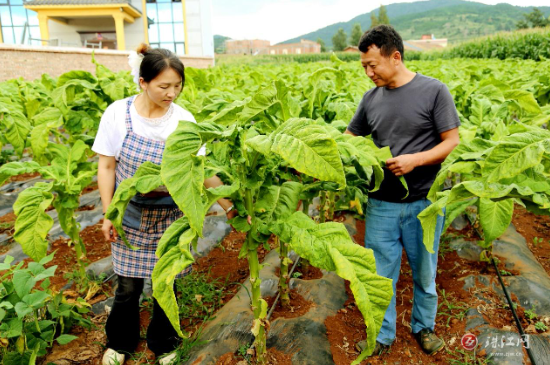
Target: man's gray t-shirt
(408,119)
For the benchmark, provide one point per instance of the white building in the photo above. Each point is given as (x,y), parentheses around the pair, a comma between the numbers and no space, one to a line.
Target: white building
(183,26)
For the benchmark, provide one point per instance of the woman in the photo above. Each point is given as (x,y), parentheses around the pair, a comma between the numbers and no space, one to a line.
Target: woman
(132,131)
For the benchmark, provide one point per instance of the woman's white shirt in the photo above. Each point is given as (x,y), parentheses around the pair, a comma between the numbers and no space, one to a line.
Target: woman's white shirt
(112,128)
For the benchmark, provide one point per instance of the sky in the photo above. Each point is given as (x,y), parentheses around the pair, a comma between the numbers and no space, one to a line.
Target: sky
(279,20)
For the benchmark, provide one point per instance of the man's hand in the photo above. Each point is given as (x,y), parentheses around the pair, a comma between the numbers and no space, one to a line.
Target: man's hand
(403,164)
(109,232)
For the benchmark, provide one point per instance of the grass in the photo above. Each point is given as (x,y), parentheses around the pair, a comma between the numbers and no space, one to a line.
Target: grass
(445,243)
(463,357)
(530,313)
(540,326)
(199,297)
(451,309)
(537,241)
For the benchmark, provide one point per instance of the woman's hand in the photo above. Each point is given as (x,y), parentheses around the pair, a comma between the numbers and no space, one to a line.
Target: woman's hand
(109,232)
(233,213)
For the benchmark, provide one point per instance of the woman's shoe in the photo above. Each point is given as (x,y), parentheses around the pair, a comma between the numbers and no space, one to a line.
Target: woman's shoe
(111,357)
(168,359)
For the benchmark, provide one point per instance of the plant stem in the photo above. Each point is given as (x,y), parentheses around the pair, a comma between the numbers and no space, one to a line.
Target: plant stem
(255,281)
(283,274)
(322,203)
(305,206)
(81,271)
(331,195)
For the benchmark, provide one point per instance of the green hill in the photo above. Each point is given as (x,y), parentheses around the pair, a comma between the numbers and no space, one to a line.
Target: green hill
(219,43)
(457,20)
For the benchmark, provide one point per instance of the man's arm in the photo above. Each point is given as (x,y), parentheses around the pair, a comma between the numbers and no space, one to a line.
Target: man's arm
(348,132)
(404,164)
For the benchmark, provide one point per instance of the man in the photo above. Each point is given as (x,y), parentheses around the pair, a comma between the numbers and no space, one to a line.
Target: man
(416,117)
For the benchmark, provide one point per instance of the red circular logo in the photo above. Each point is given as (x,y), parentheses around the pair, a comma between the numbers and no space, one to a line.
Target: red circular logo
(469,341)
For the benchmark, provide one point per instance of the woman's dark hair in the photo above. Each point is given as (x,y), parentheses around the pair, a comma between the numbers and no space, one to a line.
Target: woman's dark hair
(384,37)
(156,60)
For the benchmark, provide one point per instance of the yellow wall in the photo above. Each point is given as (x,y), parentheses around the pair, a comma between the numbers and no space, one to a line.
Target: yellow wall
(120,12)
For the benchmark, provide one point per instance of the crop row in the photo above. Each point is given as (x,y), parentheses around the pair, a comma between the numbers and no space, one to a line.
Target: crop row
(274,136)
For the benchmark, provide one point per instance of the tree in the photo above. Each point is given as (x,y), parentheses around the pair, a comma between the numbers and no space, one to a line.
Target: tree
(533,19)
(373,20)
(356,33)
(322,43)
(219,43)
(537,19)
(522,24)
(383,16)
(339,40)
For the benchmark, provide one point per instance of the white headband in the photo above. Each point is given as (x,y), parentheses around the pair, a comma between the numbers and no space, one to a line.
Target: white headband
(134,60)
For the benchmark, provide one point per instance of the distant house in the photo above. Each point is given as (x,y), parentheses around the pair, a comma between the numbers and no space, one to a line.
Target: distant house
(351,49)
(249,47)
(258,46)
(305,46)
(427,42)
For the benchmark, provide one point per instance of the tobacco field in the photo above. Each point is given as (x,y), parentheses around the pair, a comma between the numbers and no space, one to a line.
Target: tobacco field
(274,135)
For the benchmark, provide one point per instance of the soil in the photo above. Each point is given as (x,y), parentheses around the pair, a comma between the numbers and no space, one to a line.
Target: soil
(222,264)
(306,272)
(7,223)
(298,306)
(536,230)
(347,327)
(23,177)
(274,357)
(85,207)
(65,259)
(309,273)
(93,186)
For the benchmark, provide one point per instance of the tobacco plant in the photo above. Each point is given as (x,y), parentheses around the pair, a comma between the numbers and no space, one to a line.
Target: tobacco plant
(68,174)
(493,176)
(248,157)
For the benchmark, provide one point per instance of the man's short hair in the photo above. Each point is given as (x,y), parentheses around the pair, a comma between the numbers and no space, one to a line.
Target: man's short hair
(384,37)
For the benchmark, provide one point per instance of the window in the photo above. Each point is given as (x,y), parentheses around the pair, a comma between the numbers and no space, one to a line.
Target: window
(167,30)
(18,23)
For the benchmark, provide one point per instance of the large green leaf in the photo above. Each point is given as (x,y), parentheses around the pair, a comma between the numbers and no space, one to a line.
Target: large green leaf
(17,168)
(48,115)
(274,95)
(183,172)
(18,128)
(307,147)
(164,273)
(495,217)
(145,180)
(40,135)
(525,99)
(32,223)
(515,154)
(172,235)
(328,246)
(428,220)
(278,202)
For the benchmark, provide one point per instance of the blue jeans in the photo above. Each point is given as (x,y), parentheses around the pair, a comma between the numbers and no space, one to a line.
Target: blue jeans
(390,227)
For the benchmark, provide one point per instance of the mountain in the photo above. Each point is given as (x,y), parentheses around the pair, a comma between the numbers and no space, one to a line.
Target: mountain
(219,43)
(456,20)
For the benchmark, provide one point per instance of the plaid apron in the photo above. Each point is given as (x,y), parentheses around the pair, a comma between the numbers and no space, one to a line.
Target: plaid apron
(145,219)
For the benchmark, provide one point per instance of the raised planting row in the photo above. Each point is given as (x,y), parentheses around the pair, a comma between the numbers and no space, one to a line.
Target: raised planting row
(274,136)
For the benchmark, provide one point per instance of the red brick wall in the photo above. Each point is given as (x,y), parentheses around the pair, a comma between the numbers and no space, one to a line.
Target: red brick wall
(31,62)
